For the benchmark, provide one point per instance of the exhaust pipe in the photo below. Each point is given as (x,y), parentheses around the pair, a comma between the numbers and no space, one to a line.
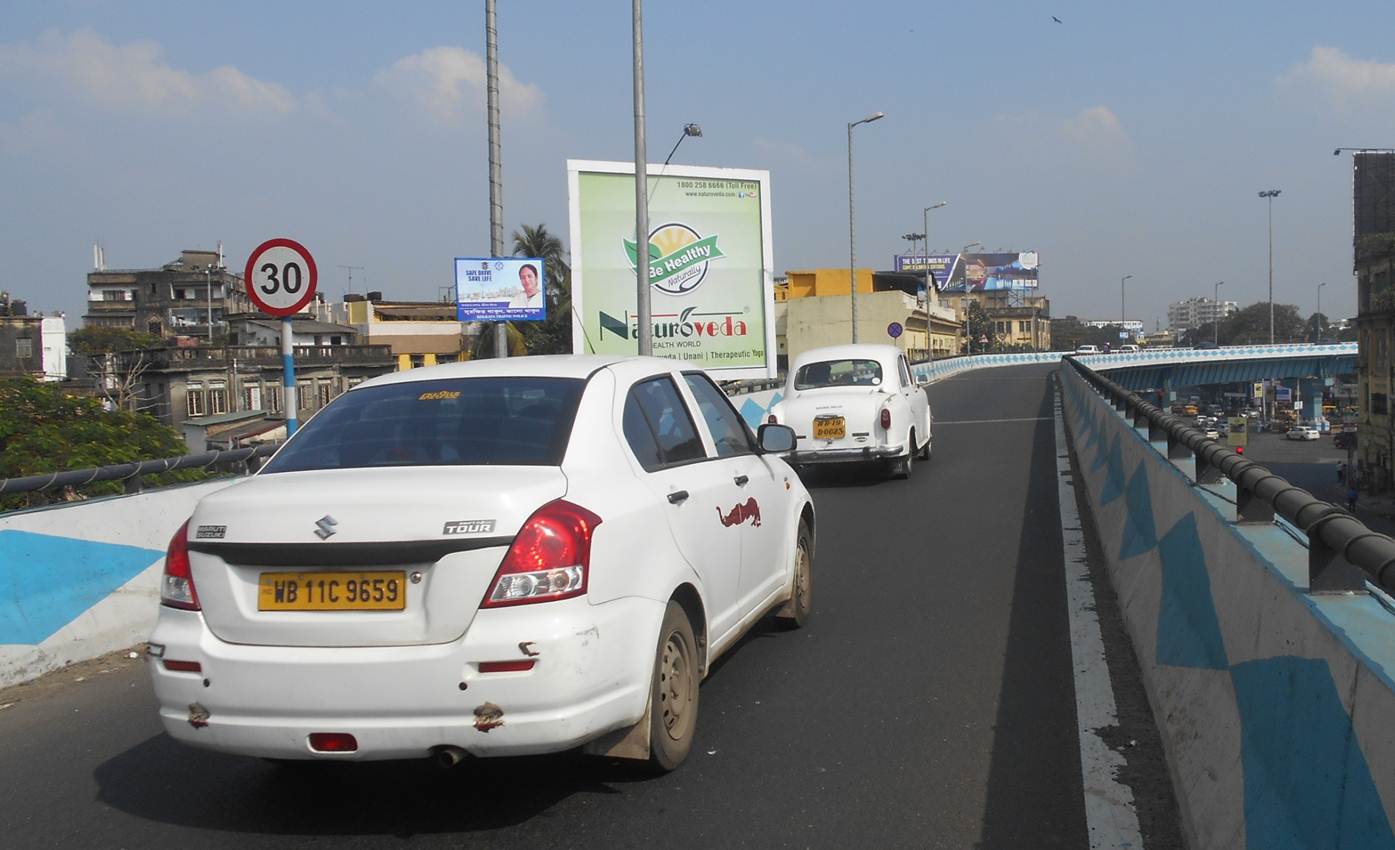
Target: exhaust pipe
(448,756)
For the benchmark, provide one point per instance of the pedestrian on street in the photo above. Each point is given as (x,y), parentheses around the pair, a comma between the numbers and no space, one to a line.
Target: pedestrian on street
(1351,499)
(1341,470)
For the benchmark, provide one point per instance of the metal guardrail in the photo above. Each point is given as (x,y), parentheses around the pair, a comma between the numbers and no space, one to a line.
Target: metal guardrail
(131,473)
(1342,552)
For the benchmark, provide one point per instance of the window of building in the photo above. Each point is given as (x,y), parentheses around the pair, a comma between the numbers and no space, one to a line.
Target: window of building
(1378,403)
(447,358)
(354,381)
(324,389)
(24,348)
(1023,327)
(418,361)
(273,398)
(217,399)
(305,395)
(194,400)
(336,340)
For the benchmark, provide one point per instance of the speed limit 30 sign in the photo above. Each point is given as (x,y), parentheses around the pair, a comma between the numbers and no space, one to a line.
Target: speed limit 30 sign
(281,277)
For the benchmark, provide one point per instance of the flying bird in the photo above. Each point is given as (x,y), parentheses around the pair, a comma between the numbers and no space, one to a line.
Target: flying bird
(1057,20)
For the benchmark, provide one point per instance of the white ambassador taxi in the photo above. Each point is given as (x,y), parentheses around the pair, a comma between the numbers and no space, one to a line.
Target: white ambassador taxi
(495,558)
(856,404)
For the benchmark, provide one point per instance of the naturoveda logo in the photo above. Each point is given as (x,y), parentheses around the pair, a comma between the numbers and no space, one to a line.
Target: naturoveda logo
(678,257)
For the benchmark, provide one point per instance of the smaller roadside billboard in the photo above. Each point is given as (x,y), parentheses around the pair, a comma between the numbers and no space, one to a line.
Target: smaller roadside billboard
(975,272)
(499,289)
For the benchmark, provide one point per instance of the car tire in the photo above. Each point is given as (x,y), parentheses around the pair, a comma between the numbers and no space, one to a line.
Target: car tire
(925,450)
(673,697)
(901,466)
(796,613)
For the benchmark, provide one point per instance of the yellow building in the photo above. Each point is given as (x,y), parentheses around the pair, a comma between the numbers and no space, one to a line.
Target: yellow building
(813,308)
(421,333)
(1016,319)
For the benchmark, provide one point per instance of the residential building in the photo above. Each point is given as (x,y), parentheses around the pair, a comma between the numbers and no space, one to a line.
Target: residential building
(179,298)
(1133,327)
(259,329)
(419,333)
(31,345)
(1192,313)
(1374,263)
(813,308)
(1019,319)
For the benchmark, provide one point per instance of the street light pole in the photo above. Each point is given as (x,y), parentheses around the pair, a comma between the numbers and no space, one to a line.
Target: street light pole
(929,284)
(1123,313)
(1216,312)
(1319,312)
(852,242)
(496,179)
(1271,194)
(968,332)
(208,289)
(642,288)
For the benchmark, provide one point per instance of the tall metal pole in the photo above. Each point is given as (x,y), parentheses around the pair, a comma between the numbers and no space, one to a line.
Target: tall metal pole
(852,243)
(929,283)
(642,289)
(1270,195)
(496,180)
(1319,312)
(1122,312)
(208,286)
(1216,312)
(288,394)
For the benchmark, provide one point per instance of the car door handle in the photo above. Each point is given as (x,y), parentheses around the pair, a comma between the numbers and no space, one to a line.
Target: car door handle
(740,480)
(677,496)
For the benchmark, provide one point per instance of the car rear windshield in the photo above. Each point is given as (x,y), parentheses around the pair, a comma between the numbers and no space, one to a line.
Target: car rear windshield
(461,422)
(838,373)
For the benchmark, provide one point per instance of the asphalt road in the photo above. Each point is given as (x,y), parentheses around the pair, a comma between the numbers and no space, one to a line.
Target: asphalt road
(928,704)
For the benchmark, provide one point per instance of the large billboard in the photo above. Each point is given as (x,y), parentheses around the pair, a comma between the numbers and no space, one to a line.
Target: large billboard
(1373,195)
(711,290)
(975,272)
(494,289)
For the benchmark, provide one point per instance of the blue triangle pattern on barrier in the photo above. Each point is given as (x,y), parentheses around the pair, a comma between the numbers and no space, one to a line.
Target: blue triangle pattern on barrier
(37,599)
(1307,783)
(1113,486)
(1189,635)
(1140,536)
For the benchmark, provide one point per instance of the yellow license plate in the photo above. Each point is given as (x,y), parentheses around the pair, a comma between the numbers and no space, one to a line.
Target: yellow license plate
(832,428)
(338,591)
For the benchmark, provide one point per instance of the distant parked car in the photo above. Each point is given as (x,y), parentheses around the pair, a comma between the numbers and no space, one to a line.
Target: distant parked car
(1128,349)
(856,404)
(1087,349)
(1304,432)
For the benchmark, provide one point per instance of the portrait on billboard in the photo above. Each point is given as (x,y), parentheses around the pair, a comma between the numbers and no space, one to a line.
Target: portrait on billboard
(500,289)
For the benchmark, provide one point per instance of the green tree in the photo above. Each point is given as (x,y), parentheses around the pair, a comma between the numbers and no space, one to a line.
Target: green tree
(554,334)
(44,430)
(977,326)
(1250,326)
(116,358)
(1317,328)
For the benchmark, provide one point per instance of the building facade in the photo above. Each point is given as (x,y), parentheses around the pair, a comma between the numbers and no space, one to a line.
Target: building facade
(1192,313)
(1374,263)
(36,346)
(929,327)
(1017,319)
(181,298)
(419,333)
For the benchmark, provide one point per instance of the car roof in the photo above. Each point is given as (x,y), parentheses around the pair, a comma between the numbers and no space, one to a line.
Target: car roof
(863,350)
(538,365)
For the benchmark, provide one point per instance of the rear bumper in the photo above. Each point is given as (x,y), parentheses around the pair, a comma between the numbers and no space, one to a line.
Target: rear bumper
(591,676)
(858,454)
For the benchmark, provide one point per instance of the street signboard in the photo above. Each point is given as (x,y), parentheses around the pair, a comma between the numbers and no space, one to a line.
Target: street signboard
(500,289)
(1283,395)
(281,277)
(712,294)
(894,330)
(1236,433)
(1259,389)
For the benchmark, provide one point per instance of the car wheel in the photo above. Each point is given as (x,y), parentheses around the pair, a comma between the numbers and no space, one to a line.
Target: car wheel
(925,450)
(901,467)
(796,613)
(673,700)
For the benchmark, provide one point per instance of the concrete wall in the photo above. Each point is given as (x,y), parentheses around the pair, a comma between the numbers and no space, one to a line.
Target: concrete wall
(80,580)
(1275,705)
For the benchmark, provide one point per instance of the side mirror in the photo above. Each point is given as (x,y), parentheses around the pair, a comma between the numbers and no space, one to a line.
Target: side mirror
(776,439)
(922,380)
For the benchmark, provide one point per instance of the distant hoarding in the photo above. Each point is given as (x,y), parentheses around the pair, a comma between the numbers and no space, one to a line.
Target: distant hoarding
(975,272)
(710,258)
(1373,193)
(496,289)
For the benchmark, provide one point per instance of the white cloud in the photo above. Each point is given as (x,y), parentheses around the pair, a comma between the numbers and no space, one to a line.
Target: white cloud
(449,84)
(1344,78)
(1096,126)
(134,75)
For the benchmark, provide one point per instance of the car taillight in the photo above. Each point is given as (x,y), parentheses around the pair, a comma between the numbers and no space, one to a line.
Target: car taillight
(177,587)
(886,419)
(549,558)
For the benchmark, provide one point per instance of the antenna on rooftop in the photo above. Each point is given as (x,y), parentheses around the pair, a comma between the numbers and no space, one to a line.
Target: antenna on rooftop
(351,270)
(99,260)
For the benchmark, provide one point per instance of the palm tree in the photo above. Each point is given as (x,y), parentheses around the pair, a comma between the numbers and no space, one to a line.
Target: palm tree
(554,334)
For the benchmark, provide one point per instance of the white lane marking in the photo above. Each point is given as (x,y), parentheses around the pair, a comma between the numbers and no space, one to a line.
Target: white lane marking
(1109,806)
(988,421)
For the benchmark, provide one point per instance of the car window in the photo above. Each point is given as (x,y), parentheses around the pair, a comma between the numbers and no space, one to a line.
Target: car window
(460,422)
(656,403)
(838,373)
(729,431)
(906,382)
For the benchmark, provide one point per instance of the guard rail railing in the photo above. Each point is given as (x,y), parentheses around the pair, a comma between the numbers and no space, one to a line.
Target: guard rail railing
(132,473)
(1342,552)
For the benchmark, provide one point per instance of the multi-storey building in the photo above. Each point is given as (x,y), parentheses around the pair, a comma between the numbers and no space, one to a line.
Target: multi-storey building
(1019,319)
(180,298)
(31,345)
(1194,312)
(1374,263)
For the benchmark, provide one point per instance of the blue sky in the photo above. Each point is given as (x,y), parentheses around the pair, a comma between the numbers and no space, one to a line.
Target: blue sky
(1127,140)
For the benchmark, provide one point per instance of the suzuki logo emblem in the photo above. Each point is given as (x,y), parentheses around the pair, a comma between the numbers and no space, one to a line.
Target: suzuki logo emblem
(325,527)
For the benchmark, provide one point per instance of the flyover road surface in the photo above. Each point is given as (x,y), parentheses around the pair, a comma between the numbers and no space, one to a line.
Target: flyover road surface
(928,704)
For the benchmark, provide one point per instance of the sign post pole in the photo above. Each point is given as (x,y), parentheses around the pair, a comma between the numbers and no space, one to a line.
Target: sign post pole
(288,381)
(281,278)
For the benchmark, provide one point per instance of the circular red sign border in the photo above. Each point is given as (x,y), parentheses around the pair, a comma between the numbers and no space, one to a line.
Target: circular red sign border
(309,296)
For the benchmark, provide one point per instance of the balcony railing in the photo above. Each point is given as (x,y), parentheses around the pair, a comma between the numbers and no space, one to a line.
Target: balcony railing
(307,355)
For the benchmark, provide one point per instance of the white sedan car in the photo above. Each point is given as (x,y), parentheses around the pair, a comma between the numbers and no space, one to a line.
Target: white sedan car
(858,404)
(494,558)
(1304,432)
